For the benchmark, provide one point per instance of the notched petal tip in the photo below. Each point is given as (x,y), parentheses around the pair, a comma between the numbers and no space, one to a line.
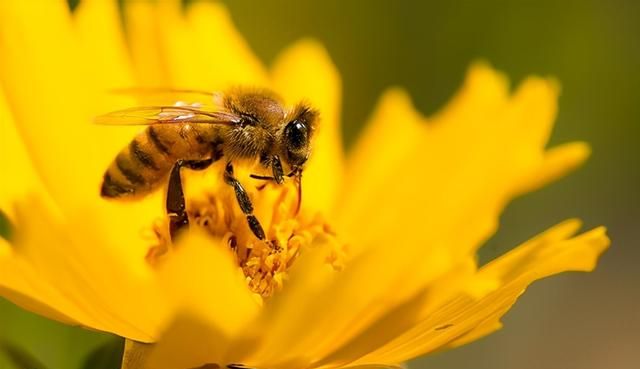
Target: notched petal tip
(556,163)
(481,74)
(569,155)
(552,252)
(396,98)
(468,317)
(309,48)
(593,244)
(579,254)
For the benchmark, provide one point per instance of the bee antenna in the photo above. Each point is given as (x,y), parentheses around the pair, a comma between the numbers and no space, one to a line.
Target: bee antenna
(297,174)
(264,178)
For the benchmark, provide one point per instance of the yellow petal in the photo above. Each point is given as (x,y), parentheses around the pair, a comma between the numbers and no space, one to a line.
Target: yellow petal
(298,301)
(476,288)
(53,98)
(101,42)
(466,317)
(460,171)
(536,99)
(19,285)
(108,67)
(371,285)
(97,25)
(528,263)
(490,324)
(33,86)
(395,129)
(16,162)
(226,58)
(305,72)
(203,49)
(22,281)
(18,281)
(422,183)
(483,91)
(556,163)
(403,317)
(212,304)
(191,341)
(54,103)
(52,94)
(73,273)
(201,274)
(142,20)
(5,248)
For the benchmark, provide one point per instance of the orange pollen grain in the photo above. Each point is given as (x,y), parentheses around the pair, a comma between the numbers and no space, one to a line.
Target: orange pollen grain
(265,264)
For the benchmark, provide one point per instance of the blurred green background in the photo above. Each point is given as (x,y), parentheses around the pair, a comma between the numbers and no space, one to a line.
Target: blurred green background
(577,321)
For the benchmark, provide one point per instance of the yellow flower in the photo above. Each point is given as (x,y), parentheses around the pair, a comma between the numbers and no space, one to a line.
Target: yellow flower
(378,267)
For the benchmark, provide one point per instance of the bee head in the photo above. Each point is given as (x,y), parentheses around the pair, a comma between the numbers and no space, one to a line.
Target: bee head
(296,136)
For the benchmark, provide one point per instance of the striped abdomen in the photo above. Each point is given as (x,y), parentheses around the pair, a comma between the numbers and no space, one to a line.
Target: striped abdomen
(146,161)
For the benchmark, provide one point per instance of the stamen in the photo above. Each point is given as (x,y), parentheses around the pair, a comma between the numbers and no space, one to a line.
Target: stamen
(265,264)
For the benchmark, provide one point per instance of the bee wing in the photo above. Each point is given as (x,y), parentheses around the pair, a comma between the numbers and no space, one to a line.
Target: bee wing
(166,94)
(145,115)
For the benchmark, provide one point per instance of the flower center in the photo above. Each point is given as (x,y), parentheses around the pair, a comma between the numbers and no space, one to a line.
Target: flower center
(265,263)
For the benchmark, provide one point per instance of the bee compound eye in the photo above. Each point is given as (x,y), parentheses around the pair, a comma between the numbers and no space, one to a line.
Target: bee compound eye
(296,134)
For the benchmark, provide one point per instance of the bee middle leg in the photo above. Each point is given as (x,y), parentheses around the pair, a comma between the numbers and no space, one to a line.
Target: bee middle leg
(244,201)
(175,204)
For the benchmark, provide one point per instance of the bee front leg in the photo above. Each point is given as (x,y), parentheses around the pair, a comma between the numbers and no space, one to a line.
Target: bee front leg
(276,167)
(175,204)
(244,201)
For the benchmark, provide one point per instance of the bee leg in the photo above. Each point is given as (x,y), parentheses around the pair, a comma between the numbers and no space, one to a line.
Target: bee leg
(244,201)
(175,205)
(276,167)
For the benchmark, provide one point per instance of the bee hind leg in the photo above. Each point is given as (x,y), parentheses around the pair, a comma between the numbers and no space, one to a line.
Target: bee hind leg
(244,201)
(175,204)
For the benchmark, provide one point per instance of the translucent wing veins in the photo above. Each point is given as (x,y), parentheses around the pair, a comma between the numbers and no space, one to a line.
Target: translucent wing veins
(169,114)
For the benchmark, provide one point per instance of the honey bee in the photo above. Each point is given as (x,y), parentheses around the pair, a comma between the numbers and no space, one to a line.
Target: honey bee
(240,125)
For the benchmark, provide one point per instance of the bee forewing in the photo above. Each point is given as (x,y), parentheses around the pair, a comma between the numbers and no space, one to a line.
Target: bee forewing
(164,95)
(146,115)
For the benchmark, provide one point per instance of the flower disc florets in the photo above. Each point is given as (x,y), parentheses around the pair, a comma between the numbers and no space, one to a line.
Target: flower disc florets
(212,208)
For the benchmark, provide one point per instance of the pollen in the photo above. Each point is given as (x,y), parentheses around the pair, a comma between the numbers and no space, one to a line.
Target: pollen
(264,263)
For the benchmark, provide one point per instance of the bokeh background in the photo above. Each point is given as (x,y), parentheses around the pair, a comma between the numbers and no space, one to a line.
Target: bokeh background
(579,321)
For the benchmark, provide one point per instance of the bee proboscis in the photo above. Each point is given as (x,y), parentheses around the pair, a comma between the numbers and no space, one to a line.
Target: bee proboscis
(240,125)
